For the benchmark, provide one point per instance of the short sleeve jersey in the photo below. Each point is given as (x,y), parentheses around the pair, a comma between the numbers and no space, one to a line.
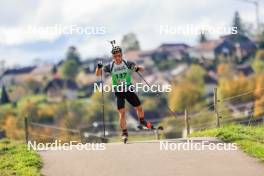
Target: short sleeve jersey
(121,73)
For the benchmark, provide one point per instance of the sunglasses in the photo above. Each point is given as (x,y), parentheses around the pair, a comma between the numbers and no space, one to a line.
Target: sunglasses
(117,55)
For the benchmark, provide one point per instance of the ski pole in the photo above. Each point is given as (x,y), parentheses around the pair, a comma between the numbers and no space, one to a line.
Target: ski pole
(171,112)
(102,83)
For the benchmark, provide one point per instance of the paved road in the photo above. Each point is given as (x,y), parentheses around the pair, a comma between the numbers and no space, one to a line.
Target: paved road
(146,159)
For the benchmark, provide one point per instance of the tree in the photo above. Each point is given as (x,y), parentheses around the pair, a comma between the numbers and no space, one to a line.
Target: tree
(258,63)
(184,95)
(195,75)
(72,54)
(237,22)
(259,84)
(11,128)
(4,96)
(130,42)
(70,69)
(188,92)
(229,87)
(75,112)
(258,107)
(202,37)
(54,70)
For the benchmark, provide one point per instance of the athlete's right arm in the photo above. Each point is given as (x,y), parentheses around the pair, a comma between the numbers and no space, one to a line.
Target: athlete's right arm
(98,71)
(100,68)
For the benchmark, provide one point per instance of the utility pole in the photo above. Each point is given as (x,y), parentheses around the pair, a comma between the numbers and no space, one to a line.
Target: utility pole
(257,15)
(216,109)
(256,4)
(26,129)
(187,122)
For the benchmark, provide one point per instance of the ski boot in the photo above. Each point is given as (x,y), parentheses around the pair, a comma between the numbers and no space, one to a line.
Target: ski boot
(124,136)
(145,124)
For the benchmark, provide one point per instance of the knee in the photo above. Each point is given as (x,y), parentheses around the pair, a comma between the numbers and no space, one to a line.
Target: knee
(139,108)
(121,112)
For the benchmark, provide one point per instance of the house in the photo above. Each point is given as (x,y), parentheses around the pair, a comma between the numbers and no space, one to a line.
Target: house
(176,51)
(156,79)
(140,57)
(134,56)
(15,76)
(244,46)
(170,74)
(42,72)
(171,51)
(230,45)
(59,89)
(179,70)
(245,69)
(210,49)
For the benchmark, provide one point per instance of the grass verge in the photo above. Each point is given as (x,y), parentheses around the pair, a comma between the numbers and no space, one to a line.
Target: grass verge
(16,159)
(249,138)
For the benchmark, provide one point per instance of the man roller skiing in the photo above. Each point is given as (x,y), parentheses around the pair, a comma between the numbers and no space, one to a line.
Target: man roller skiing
(121,72)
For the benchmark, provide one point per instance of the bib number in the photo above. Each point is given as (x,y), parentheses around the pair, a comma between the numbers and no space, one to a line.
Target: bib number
(121,76)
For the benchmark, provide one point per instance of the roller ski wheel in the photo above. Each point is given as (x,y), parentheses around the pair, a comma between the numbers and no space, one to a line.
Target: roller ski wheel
(125,138)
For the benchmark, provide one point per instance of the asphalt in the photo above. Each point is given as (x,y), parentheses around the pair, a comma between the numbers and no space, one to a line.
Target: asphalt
(147,159)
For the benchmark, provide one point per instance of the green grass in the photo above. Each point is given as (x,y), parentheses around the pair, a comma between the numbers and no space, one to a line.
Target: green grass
(16,159)
(249,138)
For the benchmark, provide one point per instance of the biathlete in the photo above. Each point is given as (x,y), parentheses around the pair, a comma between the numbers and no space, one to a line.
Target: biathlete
(121,73)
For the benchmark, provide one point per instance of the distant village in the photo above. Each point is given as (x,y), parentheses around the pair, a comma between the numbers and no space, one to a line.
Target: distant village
(162,65)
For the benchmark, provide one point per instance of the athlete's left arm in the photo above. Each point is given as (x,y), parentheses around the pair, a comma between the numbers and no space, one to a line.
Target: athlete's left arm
(138,68)
(135,67)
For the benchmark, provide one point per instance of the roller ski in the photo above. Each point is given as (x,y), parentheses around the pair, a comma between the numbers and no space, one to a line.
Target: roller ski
(124,136)
(145,125)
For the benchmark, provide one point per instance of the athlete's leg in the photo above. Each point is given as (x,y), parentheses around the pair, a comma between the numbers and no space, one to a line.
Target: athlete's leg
(122,118)
(140,112)
(121,112)
(133,99)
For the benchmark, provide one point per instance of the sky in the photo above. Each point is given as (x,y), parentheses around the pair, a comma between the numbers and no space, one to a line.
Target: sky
(30,29)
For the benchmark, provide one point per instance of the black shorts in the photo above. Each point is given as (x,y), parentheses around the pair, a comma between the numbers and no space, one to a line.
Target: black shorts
(131,97)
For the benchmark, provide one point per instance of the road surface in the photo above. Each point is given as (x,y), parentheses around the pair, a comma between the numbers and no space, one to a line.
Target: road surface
(146,159)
